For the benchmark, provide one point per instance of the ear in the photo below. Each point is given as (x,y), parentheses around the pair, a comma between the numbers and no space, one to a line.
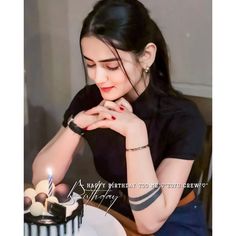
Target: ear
(148,55)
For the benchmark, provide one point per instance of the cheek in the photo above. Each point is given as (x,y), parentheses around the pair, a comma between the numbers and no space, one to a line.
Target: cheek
(134,71)
(125,84)
(118,77)
(91,73)
(136,75)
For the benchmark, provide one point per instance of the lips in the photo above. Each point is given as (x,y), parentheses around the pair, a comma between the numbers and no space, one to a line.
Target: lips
(106,89)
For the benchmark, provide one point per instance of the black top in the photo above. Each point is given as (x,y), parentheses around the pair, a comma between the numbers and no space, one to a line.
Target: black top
(175,129)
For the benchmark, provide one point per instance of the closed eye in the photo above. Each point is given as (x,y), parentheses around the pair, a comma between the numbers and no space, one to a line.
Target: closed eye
(112,68)
(90,66)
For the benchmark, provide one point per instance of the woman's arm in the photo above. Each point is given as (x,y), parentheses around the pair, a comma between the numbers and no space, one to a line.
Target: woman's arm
(140,169)
(57,155)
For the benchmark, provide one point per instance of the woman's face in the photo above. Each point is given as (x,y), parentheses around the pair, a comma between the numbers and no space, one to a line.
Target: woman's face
(104,69)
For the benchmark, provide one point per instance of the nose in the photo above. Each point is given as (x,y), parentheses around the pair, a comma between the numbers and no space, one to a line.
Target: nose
(100,75)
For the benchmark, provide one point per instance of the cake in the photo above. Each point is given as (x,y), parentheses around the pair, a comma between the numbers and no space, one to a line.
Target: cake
(57,215)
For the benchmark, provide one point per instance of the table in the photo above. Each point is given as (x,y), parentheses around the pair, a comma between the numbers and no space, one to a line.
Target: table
(129,225)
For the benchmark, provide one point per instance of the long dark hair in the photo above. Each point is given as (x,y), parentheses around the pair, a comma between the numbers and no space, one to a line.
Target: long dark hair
(126,25)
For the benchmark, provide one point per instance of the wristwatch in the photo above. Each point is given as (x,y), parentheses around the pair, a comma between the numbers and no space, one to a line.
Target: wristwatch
(75,128)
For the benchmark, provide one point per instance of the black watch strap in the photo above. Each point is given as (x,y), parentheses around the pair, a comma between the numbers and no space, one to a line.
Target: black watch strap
(76,128)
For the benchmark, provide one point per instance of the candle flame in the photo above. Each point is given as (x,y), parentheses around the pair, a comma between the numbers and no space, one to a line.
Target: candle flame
(50,171)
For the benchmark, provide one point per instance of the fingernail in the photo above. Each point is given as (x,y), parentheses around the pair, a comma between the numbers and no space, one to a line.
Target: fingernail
(113,118)
(122,108)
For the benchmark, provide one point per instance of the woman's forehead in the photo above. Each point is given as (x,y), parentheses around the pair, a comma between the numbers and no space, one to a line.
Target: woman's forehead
(97,50)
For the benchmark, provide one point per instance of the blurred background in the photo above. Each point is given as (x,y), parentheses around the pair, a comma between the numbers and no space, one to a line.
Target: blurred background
(54,73)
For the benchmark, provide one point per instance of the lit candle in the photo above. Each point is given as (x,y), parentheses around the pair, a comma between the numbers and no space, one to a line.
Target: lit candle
(50,182)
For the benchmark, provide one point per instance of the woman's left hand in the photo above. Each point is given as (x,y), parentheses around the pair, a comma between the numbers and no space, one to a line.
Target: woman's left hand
(122,119)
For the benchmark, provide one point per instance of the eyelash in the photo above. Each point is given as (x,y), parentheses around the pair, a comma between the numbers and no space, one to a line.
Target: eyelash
(113,68)
(90,66)
(109,68)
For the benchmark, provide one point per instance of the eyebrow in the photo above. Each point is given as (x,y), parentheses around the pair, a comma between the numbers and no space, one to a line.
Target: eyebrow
(105,60)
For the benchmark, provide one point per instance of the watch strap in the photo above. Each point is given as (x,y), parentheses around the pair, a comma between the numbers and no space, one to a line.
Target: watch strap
(75,128)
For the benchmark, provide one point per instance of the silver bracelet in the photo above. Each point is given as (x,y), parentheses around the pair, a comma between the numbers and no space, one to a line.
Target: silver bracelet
(137,148)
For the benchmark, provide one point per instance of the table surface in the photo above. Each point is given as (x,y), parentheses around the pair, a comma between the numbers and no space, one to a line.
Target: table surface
(129,225)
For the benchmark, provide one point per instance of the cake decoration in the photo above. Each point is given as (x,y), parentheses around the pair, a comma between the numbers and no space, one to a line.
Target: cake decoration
(43,187)
(30,192)
(57,210)
(27,203)
(36,209)
(51,199)
(61,192)
(57,215)
(41,197)
(50,183)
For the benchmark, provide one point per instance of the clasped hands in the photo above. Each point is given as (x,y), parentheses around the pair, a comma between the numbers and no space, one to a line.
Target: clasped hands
(117,116)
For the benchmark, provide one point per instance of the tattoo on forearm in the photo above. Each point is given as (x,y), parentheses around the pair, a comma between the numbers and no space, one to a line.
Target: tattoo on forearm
(135,199)
(148,198)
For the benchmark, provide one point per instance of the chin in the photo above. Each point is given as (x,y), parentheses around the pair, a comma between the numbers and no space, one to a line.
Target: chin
(110,97)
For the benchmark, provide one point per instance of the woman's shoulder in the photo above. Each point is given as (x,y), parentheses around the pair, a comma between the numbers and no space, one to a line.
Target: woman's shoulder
(182,115)
(186,128)
(178,106)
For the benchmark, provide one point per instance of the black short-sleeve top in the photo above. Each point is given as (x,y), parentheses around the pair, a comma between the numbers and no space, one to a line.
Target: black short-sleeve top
(174,124)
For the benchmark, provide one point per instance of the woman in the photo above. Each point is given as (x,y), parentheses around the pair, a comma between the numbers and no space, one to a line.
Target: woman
(139,128)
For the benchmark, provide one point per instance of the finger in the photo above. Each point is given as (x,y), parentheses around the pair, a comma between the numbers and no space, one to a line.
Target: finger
(105,115)
(123,102)
(112,106)
(102,102)
(99,124)
(96,110)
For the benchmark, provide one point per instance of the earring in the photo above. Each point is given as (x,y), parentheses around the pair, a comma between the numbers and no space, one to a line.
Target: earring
(147,69)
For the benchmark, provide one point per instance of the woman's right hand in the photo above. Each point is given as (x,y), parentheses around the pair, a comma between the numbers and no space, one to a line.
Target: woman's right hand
(83,120)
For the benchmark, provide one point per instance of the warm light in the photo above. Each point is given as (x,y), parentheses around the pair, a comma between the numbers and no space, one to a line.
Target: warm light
(49,171)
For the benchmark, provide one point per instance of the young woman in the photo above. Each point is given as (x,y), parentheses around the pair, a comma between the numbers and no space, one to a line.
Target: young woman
(139,128)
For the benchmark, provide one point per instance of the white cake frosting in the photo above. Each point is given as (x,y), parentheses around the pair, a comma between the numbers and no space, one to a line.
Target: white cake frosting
(44,225)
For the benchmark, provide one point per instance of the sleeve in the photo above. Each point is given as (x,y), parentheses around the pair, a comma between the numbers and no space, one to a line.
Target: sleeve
(83,100)
(186,135)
